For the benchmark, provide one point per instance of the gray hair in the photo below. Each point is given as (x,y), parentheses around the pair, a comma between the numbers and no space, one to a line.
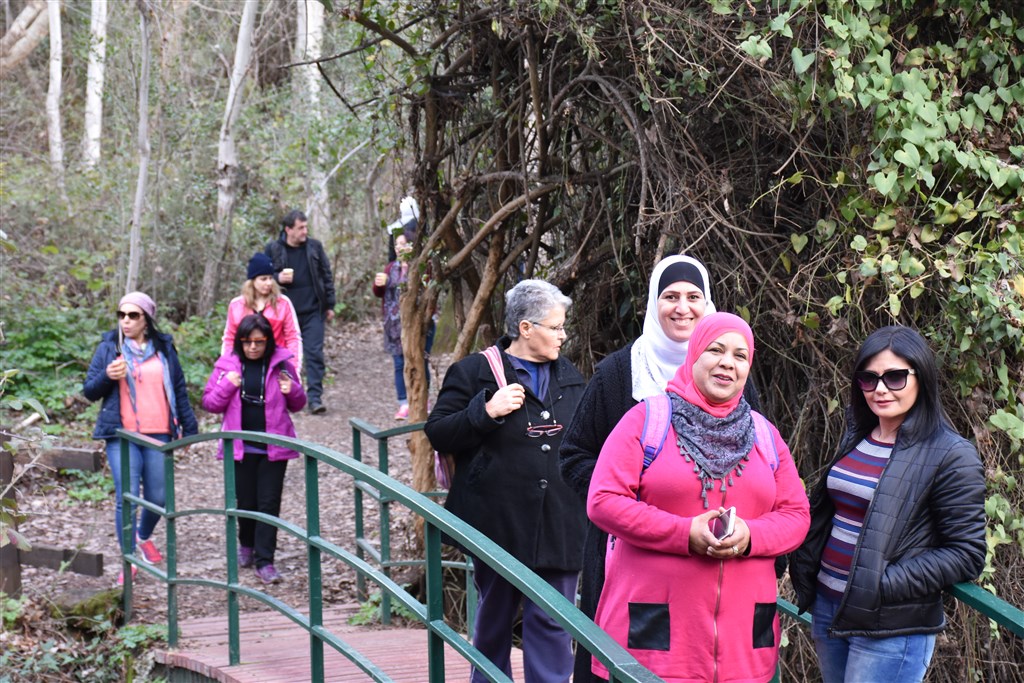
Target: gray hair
(531,300)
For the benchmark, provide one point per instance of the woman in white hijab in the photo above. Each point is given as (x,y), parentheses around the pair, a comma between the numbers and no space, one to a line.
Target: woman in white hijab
(678,297)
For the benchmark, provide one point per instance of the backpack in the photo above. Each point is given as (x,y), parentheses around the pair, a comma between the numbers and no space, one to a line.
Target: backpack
(658,419)
(444,463)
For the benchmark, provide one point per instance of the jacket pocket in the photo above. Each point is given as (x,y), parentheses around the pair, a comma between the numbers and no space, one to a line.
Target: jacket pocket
(648,626)
(764,624)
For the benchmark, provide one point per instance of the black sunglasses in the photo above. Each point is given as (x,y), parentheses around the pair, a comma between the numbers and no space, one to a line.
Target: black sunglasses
(894,380)
(131,315)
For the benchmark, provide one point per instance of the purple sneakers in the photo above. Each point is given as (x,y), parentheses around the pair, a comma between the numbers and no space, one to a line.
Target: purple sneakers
(246,556)
(268,574)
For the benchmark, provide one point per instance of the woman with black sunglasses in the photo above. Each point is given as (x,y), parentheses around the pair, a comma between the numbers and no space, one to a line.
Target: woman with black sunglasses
(255,387)
(135,371)
(897,517)
(505,440)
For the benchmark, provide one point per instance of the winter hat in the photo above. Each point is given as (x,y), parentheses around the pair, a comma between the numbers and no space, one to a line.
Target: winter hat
(142,301)
(259,264)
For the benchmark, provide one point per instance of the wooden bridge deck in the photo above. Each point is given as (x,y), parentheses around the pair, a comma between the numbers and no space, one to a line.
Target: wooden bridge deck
(274,649)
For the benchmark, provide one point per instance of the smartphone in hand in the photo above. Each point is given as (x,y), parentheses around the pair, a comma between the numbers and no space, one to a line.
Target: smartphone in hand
(723,525)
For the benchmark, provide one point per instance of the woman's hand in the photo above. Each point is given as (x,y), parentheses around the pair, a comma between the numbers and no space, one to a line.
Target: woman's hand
(380,280)
(285,382)
(234,378)
(703,542)
(117,369)
(505,400)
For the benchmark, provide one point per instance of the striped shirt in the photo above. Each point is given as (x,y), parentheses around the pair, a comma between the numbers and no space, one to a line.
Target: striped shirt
(851,485)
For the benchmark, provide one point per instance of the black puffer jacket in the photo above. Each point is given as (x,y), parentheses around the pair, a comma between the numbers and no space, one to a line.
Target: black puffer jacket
(924,531)
(507,484)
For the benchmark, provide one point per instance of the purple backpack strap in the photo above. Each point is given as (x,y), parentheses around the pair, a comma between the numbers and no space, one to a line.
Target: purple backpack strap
(493,356)
(657,420)
(763,436)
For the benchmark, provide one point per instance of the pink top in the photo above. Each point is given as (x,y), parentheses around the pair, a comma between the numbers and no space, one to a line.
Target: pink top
(283,322)
(711,619)
(154,416)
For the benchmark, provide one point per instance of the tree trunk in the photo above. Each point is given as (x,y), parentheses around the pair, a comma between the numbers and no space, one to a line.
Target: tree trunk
(309,36)
(25,34)
(135,239)
(227,159)
(94,84)
(53,127)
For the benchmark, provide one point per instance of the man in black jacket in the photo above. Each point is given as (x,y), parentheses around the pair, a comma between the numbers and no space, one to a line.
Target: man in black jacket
(304,273)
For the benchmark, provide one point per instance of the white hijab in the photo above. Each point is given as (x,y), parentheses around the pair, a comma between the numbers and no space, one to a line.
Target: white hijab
(655,357)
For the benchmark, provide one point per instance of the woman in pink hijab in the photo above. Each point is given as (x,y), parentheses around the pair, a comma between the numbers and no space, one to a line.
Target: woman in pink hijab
(692,601)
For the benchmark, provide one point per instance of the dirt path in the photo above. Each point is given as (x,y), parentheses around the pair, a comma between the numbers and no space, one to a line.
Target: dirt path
(359,385)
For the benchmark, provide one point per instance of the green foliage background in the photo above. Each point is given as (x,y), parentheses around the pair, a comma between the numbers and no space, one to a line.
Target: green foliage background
(839,165)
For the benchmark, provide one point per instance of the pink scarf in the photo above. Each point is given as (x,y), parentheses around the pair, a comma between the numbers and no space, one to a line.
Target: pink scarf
(710,328)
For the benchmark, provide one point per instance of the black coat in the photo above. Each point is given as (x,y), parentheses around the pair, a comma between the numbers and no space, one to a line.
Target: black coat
(319,268)
(507,484)
(924,530)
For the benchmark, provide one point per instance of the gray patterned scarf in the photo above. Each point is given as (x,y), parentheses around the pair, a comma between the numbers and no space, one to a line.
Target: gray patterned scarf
(717,446)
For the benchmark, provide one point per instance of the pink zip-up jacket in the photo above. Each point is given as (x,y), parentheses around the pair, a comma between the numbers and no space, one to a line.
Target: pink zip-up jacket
(283,321)
(692,618)
(221,396)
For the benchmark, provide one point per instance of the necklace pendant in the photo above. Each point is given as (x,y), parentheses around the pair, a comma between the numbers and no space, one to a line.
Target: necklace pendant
(544,415)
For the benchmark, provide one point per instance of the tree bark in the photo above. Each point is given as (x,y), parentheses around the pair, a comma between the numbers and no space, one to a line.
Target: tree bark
(309,36)
(135,239)
(25,34)
(53,127)
(94,84)
(227,160)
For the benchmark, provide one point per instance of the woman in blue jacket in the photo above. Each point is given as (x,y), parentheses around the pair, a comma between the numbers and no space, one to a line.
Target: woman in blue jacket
(898,516)
(135,371)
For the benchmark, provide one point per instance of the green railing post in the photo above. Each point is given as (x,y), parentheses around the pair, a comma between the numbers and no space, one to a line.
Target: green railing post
(385,532)
(316,594)
(231,535)
(172,550)
(362,595)
(435,601)
(126,527)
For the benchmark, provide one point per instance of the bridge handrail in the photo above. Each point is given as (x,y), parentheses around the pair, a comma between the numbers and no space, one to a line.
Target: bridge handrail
(437,521)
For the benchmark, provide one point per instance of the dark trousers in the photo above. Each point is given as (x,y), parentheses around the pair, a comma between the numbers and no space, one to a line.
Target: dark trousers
(312,326)
(259,482)
(547,647)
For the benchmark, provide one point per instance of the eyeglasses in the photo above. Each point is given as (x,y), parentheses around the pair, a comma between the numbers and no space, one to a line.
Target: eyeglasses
(557,330)
(533,431)
(131,315)
(253,342)
(894,380)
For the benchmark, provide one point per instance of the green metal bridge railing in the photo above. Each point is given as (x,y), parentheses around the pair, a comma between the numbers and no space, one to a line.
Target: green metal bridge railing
(437,521)
(386,491)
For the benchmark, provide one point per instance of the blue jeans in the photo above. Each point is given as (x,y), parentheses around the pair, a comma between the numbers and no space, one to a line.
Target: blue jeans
(858,659)
(311,325)
(146,468)
(399,361)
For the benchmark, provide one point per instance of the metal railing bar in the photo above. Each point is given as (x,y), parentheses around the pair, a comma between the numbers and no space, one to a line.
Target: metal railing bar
(992,606)
(375,432)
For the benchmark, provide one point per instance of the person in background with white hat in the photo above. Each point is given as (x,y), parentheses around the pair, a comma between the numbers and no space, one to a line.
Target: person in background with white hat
(135,371)
(387,285)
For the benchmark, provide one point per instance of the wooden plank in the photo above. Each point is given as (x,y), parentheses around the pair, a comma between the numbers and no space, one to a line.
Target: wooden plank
(10,568)
(273,649)
(78,561)
(67,458)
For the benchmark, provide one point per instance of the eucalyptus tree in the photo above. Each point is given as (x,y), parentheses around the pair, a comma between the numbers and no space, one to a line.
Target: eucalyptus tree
(93,128)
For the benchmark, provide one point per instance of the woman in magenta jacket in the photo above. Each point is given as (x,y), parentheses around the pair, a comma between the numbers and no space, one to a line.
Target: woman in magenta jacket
(255,387)
(690,606)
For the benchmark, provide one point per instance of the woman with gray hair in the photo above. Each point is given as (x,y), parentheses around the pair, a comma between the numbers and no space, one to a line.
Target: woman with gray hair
(505,437)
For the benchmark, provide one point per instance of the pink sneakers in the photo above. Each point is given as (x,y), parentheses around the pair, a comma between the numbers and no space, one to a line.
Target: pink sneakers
(120,576)
(403,412)
(149,551)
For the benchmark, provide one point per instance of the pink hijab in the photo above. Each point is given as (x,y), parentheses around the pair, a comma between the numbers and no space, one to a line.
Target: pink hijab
(710,328)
